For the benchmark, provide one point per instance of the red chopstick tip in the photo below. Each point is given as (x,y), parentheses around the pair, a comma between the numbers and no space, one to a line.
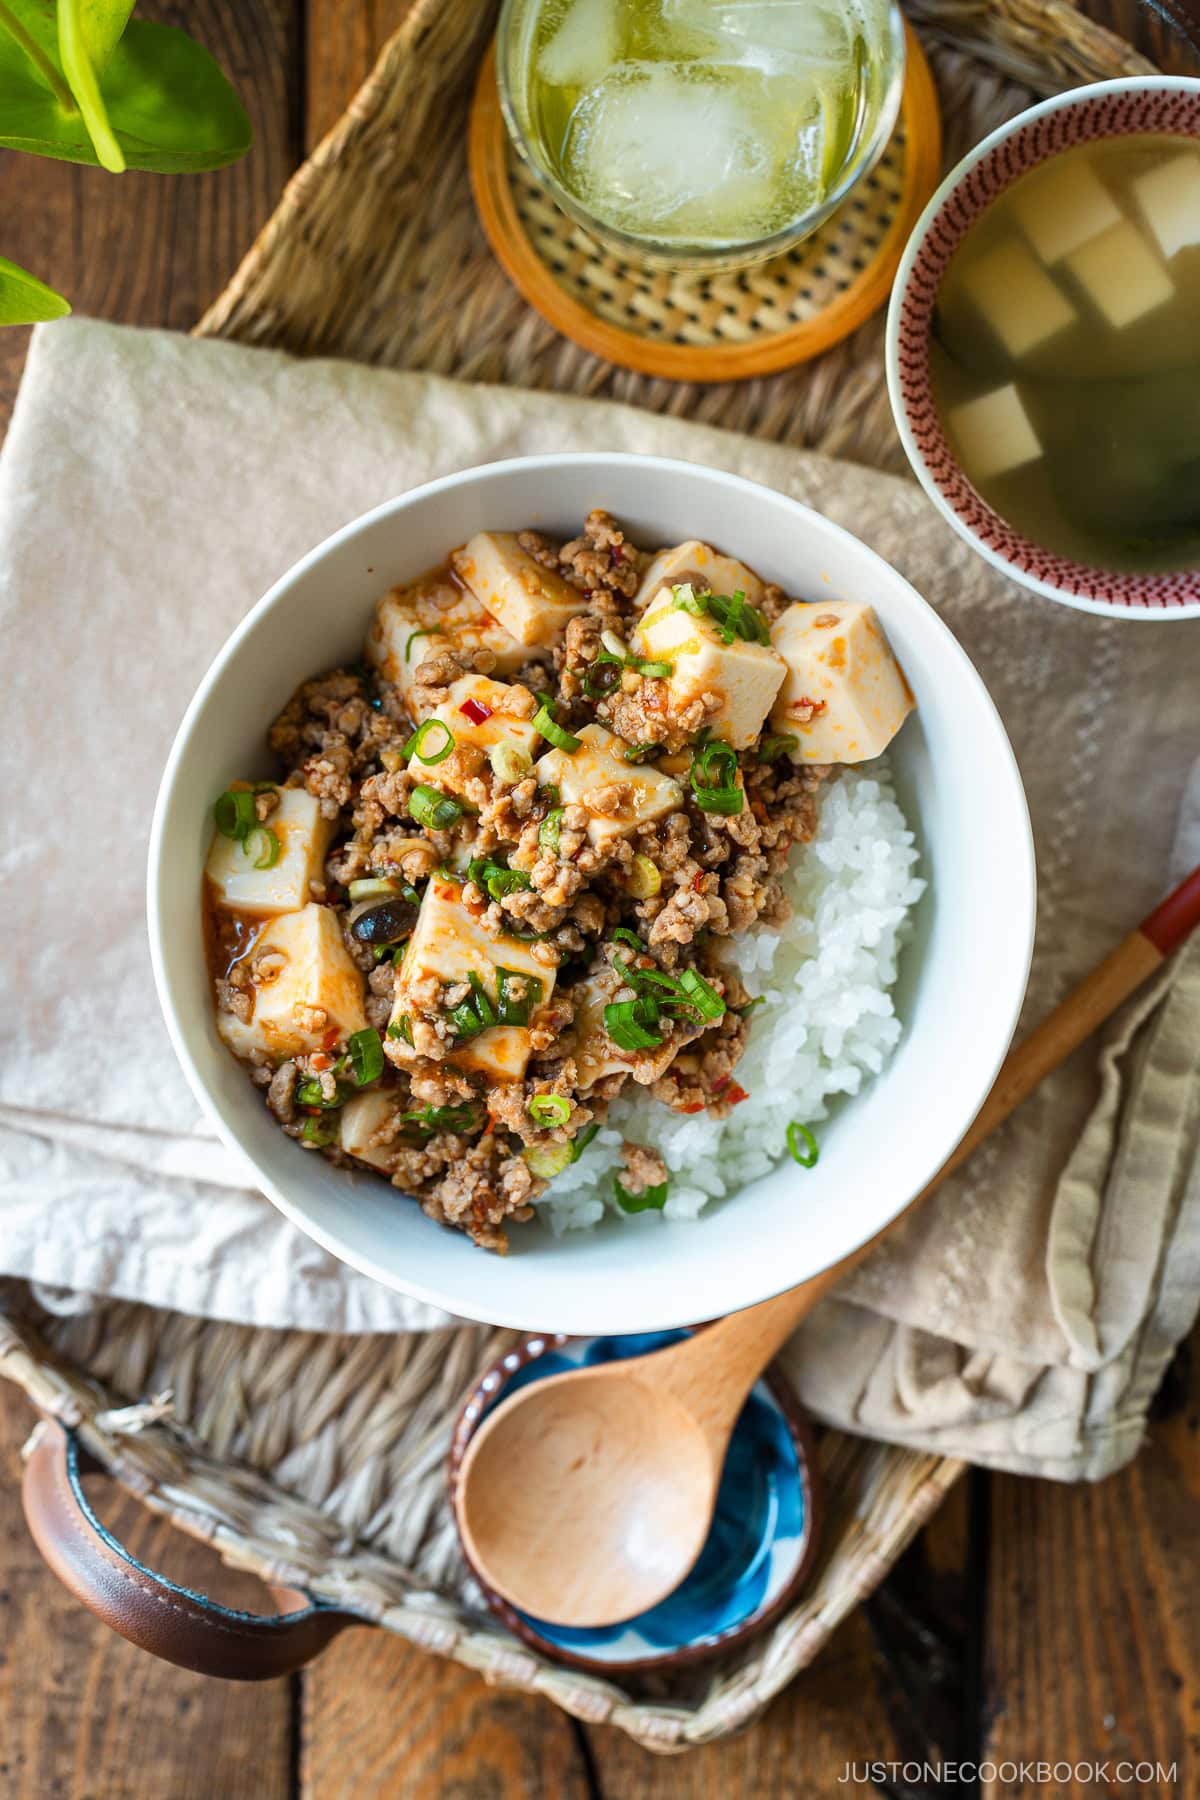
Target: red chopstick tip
(1176,918)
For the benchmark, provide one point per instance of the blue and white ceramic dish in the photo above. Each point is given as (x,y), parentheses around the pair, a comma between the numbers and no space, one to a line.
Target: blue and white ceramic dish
(764,1531)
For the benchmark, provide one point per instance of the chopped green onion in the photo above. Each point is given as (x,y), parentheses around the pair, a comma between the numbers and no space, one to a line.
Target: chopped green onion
(412,638)
(402,1028)
(777,744)
(554,733)
(653,671)
(366,1055)
(631,1023)
(636,752)
(702,995)
(732,614)
(684,598)
(379,887)
(320,1133)
(714,778)
(653,1200)
(483,1001)
(441,1118)
(235,813)
(798,1134)
(416,745)
(550,830)
(514,1009)
(745,1011)
(545,698)
(643,880)
(547,1160)
(580,1143)
(510,763)
(311,1093)
(494,878)
(549,1110)
(623,935)
(262,847)
(433,809)
(597,684)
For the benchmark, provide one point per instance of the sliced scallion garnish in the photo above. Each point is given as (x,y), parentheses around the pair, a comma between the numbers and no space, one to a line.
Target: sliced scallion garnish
(653,671)
(638,752)
(547,1160)
(433,809)
(366,1056)
(580,1142)
(553,732)
(514,1008)
(494,878)
(401,1028)
(418,744)
(412,638)
(510,763)
(775,745)
(713,777)
(441,1118)
(799,1135)
(643,880)
(261,846)
(632,1024)
(311,1093)
(234,813)
(652,1200)
(550,830)
(320,1133)
(549,1110)
(623,935)
(702,995)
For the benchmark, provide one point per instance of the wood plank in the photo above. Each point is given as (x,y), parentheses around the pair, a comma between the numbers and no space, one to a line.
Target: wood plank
(82,1713)
(344,38)
(1093,1632)
(383,1719)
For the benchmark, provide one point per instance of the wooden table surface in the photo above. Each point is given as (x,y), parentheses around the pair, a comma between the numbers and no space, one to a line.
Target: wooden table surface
(1030,1623)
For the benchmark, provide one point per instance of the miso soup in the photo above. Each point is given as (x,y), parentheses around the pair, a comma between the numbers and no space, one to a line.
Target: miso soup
(1066,353)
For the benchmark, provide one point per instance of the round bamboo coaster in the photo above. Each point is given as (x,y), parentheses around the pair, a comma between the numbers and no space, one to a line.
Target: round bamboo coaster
(715,327)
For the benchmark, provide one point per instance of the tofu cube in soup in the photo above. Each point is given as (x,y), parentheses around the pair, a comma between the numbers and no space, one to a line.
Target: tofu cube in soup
(844,697)
(532,602)
(1121,274)
(304,837)
(1024,306)
(435,614)
(363,1122)
(617,796)
(1168,198)
(485,714)
(307,991)
(450,944)
(701,566)
(1062,206)
(993,432)
(745,677)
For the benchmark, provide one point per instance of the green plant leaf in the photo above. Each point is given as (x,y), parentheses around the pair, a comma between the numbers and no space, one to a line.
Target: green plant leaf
(88,33)
(169,106)
(24,300)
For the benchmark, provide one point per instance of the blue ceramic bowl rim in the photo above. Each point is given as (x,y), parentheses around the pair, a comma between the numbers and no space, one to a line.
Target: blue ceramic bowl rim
(488,1388)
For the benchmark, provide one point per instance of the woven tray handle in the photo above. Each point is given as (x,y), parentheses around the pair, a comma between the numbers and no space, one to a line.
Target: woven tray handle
(154,1613)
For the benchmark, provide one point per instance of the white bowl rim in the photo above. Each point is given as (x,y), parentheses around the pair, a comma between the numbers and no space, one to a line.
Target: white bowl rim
(1070,97)
(675,1314)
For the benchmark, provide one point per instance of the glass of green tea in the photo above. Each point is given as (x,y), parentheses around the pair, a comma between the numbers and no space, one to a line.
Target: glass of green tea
(700,134)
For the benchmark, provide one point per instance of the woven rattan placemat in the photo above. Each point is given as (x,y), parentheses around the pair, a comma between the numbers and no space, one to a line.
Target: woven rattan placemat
(317,1460)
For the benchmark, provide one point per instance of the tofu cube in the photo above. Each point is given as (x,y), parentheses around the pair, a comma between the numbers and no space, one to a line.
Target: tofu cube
(363,1124)
(993,434)
(595,1053)
(1169,200)
(837,656)
(501,725)
(1023,305)
(435,613)
(746,676)
(705,569)
(450,943)
(303,840)
(589,774)
(1061,206)
(1121,275)
(317,990)
(531,602)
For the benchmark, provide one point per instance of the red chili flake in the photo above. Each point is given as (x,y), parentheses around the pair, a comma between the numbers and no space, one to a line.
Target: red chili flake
(314,1112)
(489,1127)
(699,1107)
(617,552)
(722,1083)
(735,1094)
(698,881)
(476,711)
(329,1041)
(318,1062)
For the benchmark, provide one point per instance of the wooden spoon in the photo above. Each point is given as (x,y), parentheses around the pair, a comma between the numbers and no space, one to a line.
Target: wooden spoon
(586,1498)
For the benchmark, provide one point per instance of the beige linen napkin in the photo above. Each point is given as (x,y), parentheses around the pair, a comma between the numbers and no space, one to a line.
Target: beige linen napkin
(151,488)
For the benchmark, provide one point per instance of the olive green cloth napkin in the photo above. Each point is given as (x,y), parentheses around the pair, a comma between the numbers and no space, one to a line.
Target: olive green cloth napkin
(151,488)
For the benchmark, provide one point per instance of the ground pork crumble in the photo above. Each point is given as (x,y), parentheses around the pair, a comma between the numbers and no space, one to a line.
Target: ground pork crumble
(598,915)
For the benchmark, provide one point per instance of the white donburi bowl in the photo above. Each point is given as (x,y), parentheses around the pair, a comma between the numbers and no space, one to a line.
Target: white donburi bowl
(963,975)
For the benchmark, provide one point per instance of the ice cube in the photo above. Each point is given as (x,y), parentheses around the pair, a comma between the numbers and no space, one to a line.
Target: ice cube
(1169,198)
(776,36)
(583,47)
(1121,275)
(657,146)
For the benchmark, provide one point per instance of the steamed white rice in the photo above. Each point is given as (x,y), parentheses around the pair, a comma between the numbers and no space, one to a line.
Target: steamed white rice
(828,1023)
